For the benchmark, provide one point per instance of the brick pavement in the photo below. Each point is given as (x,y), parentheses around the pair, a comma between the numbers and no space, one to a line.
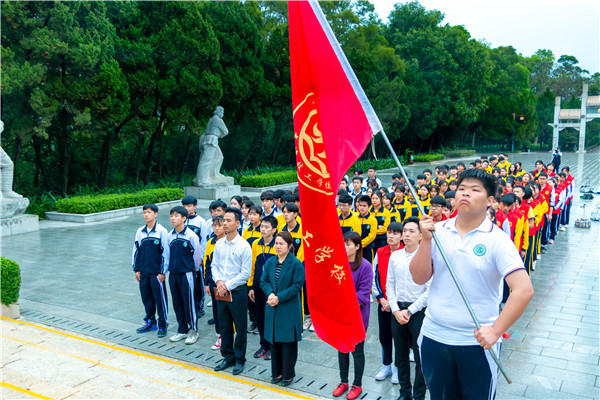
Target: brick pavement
(79,278)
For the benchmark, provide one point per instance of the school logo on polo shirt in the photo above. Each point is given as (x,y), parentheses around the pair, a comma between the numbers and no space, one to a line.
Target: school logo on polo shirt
(479,250)
(156,242)
(297,241)
(184,244)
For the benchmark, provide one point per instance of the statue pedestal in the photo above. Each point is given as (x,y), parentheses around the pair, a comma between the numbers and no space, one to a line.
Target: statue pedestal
(11,206)
(223,190)
(20,224)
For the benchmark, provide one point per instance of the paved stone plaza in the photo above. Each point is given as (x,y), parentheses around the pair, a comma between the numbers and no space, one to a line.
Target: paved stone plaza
(79,278)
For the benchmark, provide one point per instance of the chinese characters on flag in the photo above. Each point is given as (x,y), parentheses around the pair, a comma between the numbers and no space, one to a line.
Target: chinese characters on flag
(333,123)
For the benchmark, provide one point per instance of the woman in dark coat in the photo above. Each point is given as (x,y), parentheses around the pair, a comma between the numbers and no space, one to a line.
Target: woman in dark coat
(282,280)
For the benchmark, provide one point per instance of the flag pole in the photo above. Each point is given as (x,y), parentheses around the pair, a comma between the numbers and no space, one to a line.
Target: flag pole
(443,253)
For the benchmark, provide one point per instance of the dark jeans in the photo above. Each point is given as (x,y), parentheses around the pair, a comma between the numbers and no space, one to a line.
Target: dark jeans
(545,230)
(457,372)
(359,364)
(405,337)
(252,309)
(283,360)
(554,226)
(234,313)
(385,334)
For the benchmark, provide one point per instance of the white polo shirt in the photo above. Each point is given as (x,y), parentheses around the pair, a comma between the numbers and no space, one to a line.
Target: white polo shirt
(481,259)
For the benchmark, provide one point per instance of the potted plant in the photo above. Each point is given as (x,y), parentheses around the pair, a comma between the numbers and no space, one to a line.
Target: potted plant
(10,286)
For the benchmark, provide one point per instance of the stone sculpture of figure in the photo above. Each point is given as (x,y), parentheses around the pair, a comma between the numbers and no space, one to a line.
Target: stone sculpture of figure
(6,173)
(212,157)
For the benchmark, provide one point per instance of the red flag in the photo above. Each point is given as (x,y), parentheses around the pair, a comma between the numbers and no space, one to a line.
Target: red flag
(333,123)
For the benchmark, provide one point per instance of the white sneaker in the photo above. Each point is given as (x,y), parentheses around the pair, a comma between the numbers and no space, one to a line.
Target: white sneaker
(550,241)
(192,338)
(411,355)
(307,323)
(533,265)
(562,228)
(383,373)
(539,256)
(209,303)
(395,380)
(217,344)
(177,337)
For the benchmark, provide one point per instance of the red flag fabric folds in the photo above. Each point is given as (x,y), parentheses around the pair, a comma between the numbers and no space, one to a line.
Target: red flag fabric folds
(333,123)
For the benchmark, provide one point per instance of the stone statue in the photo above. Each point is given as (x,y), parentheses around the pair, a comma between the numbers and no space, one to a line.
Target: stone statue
(7,171)
(212,158)
(12,203)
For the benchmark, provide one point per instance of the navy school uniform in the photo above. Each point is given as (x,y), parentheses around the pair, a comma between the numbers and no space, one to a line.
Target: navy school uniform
(151,257)
(185,260)
(198,225)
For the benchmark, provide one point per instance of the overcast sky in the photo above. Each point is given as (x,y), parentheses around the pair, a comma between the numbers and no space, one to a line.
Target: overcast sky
(564,26)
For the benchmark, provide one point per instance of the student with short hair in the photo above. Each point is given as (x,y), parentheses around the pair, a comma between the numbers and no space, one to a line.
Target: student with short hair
(460,167)
(209,283)
(348,221)
(372,174)
(427,173)
(252,232)
(357,187)
(185,261)
(482,256)
(368,226)
(277,204)
(246,204)
(262,250)
(407,301)
(384,315)
(383,220)
(231,267)
(268,204)
(286,198)
(437,204)
(150,260)
(388,204)
(196,224)
(215,208)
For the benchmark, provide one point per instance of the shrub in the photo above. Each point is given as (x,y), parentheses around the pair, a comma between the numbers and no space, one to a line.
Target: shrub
(11,281)
(269,179)
(428,157)
(382,163)
(459,153)
(106,202)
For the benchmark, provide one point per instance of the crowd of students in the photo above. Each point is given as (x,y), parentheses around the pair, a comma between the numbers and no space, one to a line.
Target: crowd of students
(249,259)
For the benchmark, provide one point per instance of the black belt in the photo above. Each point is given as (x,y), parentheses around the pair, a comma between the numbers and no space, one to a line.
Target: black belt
(404,305)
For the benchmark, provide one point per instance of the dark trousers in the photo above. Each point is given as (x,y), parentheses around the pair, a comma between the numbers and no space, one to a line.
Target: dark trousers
(385,334)
(305,300)
(199,294)
(405,337)
(260,301)
(182,292)
(368,255)
(554,226)
(565,213)
(154,297)
(529,254)
(215,313)
(545,230)
(252,310)
(536,243)
(359,364)
(283,360)
(234,313)
(456,372)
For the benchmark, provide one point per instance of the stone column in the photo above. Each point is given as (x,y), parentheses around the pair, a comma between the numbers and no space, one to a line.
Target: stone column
(583,119)
(555,130)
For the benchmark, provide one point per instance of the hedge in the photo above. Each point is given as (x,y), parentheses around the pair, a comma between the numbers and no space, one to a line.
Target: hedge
(11,281)
(106,202)
(269,179)
(428,157)
(459,153)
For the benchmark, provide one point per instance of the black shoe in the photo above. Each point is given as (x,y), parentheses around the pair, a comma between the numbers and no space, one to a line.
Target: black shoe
(162,332)
(224,365)
(405,396)
(285,383)
(252,328)
(211,321)
(239,367)
(260,353)
(200,314)
(275,381)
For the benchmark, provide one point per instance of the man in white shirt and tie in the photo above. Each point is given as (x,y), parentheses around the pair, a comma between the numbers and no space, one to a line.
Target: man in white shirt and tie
(231,266)
(407,302)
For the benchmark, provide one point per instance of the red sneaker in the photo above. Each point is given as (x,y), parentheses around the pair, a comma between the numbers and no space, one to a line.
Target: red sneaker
(354,392)
(342,387)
